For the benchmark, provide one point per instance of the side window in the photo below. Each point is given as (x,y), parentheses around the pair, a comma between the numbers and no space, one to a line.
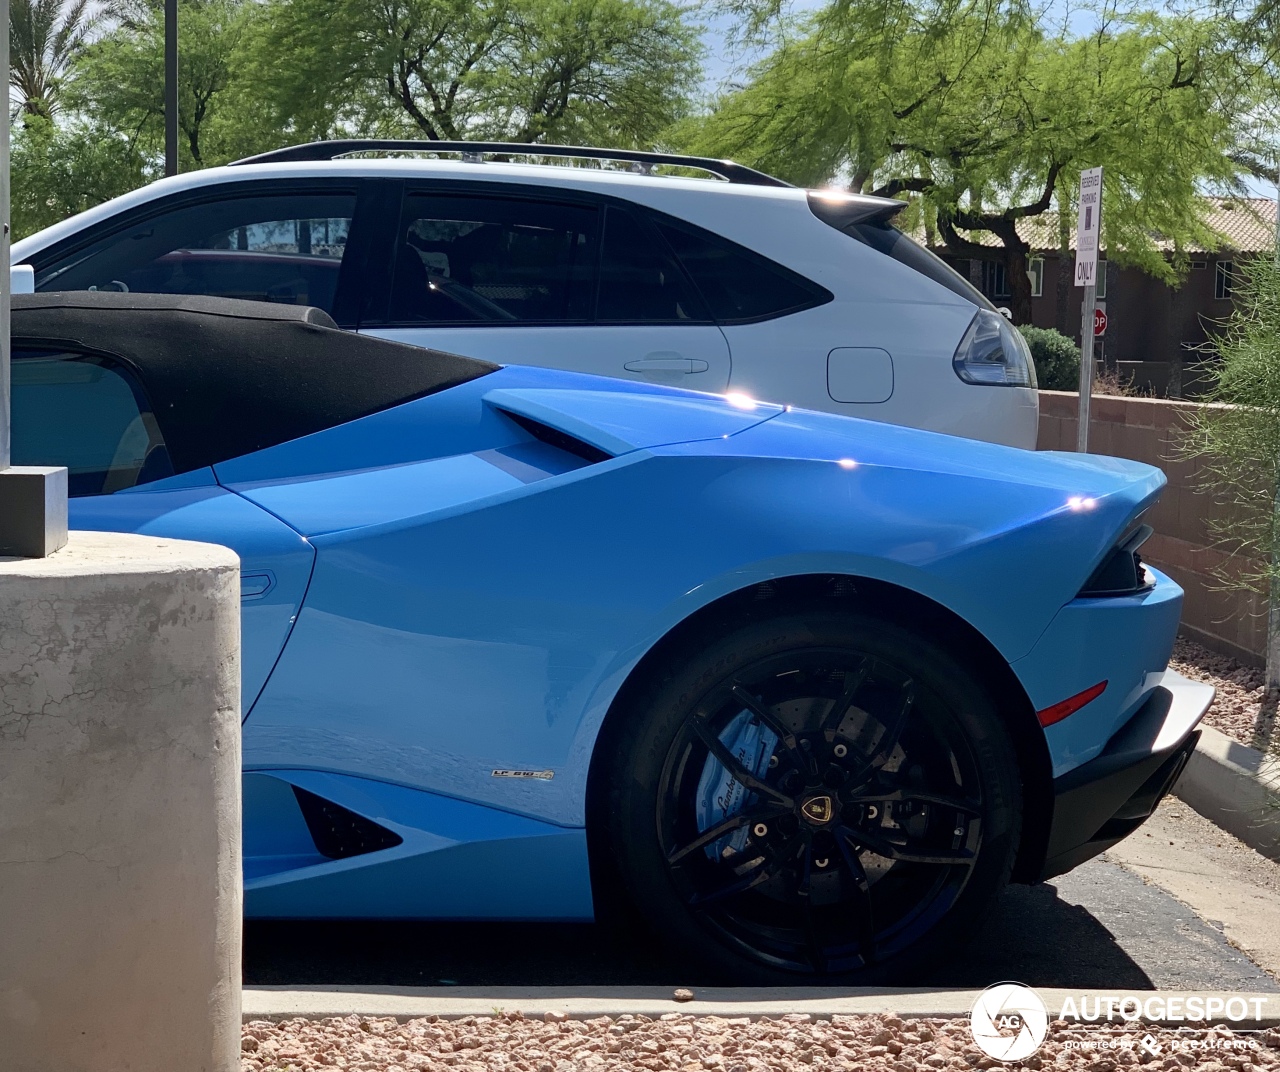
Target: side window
(279,248)
(89,414)
(640,281)
(1224,280)
(737,284)
(466,260)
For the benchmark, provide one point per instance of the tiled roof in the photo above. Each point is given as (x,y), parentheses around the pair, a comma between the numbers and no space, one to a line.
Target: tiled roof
(1247,225)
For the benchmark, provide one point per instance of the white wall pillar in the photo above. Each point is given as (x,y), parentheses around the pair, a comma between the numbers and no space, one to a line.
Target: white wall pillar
(120,879)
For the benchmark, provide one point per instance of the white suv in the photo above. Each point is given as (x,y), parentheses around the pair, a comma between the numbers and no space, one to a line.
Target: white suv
(746,284)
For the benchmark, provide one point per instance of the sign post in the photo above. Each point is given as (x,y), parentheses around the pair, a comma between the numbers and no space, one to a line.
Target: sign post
(1088,227)
(170,87)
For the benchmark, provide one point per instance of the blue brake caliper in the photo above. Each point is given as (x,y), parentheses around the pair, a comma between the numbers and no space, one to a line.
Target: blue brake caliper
(720,795)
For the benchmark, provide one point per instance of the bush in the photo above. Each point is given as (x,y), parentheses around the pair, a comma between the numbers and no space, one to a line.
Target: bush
(1236,444)
(1057,358)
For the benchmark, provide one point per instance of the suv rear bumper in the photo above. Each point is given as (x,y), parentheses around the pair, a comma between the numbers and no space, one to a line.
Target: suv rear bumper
(1105,800)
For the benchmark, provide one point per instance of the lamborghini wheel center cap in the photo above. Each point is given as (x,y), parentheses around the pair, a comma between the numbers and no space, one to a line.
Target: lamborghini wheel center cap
(818,810)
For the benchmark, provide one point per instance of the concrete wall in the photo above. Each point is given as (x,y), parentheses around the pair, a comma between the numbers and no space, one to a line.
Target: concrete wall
(1146,430)
(120,889)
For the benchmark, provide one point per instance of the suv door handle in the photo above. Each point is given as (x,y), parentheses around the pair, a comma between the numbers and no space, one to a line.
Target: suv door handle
(667,361)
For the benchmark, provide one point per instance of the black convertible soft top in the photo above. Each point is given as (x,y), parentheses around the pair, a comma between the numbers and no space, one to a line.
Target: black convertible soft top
(228,377)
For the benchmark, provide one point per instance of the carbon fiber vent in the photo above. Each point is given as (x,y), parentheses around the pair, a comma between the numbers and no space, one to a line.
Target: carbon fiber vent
(1121,572)
(561,440)
(338,832)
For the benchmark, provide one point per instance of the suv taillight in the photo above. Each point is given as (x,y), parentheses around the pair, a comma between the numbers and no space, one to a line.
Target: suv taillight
(994,353)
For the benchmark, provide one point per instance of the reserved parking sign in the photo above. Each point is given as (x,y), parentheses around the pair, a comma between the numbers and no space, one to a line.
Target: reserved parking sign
(1087,227)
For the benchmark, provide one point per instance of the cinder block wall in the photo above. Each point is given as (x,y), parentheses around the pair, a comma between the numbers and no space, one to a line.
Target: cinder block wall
(1146,430)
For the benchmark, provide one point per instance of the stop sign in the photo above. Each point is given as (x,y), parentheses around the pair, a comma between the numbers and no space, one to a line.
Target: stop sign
(1099,322)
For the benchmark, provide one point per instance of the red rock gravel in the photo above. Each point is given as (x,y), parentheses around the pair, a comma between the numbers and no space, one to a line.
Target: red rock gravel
(689,1043)
(1236,708)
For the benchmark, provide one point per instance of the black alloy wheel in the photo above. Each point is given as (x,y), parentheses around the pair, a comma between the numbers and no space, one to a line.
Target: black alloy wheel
(822,795)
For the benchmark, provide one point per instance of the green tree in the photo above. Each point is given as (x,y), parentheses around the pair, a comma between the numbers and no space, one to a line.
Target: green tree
(971,108)
(120,79)
(57,171)
(617,71)
(45,36)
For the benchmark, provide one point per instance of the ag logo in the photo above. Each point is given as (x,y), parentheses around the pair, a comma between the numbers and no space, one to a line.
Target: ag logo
(1009,1022)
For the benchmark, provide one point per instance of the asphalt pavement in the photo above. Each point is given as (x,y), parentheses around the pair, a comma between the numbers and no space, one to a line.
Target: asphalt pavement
(1104,926)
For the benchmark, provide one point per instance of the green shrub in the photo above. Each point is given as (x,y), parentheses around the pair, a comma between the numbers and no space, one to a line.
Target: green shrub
(1057,358)
(1236,444)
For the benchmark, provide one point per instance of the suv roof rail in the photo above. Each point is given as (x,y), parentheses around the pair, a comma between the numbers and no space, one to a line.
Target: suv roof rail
(476,151)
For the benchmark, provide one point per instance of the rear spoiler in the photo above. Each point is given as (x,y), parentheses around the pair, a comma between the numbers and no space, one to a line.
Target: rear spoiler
(841,210)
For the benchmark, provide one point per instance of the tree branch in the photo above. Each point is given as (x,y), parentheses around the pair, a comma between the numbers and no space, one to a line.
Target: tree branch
(913,184)
(959,246)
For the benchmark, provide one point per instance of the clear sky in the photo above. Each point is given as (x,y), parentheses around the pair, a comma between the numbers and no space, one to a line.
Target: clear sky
(721,62)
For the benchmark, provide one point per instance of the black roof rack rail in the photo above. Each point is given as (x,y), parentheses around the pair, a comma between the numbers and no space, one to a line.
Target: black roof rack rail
(477,150)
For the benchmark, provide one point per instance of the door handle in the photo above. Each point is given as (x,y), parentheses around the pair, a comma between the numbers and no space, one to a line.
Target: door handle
(667,361)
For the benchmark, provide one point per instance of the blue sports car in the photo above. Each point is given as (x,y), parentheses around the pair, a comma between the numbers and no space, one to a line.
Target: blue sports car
(805,690)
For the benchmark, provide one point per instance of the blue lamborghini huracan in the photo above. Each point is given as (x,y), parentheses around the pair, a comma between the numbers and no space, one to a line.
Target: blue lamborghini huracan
(802,689)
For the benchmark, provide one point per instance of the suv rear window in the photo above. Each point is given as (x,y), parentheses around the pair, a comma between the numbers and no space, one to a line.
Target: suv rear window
(885,238)
(474,259)
(640,281)
(738,285)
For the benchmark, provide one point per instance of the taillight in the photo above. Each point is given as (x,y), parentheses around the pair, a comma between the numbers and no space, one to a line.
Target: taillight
(994,353)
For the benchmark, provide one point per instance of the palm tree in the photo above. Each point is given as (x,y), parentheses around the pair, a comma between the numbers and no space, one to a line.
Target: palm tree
(44,37)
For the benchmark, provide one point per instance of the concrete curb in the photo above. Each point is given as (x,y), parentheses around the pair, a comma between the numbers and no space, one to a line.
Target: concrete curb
(584,1003)
(1236,787)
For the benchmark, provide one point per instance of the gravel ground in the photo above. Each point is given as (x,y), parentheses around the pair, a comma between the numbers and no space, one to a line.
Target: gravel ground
(1237,706)
(509,1042)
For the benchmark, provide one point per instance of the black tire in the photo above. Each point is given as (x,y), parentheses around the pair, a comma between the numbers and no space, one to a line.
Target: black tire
(794,891)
